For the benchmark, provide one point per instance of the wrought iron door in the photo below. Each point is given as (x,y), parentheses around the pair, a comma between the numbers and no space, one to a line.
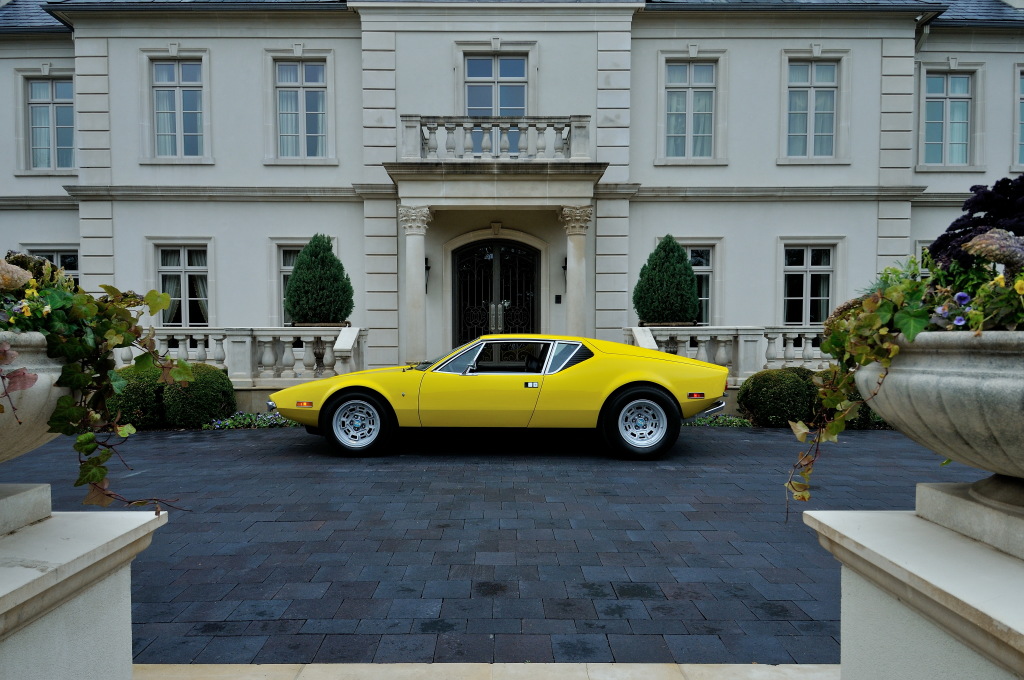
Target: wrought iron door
(495,289)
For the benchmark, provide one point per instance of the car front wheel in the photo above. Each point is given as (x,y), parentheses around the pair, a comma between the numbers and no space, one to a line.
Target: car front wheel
(358,423)
(641,423)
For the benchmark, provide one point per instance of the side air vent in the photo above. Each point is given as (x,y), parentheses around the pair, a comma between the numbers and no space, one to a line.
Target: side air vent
(582,354)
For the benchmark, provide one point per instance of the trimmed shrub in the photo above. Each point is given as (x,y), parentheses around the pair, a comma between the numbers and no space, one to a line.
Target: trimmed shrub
(666,289)
(141,400)
(208,397)
(319,290)
(774,396)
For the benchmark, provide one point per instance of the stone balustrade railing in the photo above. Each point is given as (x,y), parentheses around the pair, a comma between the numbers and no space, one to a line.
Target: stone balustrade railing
(745,350)
(266,357)
(495,138)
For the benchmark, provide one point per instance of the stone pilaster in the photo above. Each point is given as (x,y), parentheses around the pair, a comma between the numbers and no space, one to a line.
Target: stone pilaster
(576,220)
(895,150)
(413,221)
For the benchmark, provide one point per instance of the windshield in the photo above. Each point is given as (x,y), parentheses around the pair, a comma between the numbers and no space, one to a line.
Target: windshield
(424,365)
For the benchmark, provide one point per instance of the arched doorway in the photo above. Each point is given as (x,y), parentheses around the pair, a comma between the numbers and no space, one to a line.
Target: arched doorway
(495,289)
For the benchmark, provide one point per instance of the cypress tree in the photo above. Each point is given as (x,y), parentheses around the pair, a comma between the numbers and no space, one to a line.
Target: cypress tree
(319,290)
(666,290)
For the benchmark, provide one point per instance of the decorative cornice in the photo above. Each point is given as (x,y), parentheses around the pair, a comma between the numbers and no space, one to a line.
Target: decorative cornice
(38,203)
(943,199)
(210,193)
(827,193)
(576,219)
(478,169)
(414,219)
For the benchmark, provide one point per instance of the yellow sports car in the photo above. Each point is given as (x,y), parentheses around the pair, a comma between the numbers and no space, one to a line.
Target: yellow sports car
(636,397)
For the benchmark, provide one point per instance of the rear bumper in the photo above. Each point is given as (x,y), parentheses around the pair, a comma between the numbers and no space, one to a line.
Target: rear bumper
(709,411)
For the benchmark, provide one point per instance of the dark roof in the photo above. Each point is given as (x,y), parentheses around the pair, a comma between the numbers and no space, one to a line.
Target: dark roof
(28,16)
(37,16)
(981,13)
(769,5)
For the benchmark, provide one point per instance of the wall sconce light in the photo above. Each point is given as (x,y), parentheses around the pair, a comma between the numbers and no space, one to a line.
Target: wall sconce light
(426,273)
(565,270)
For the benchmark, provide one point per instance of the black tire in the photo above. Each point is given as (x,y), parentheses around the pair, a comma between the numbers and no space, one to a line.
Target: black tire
(358,423)
(640,423)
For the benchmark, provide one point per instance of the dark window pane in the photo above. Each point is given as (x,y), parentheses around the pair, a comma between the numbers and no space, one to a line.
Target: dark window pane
(794,257)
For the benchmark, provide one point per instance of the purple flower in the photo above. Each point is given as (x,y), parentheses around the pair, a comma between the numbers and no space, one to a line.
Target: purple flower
(942,311)
(962,298)
(959,321)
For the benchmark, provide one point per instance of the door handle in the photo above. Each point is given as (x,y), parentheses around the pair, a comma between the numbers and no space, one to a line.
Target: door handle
(501,317)
(490,321)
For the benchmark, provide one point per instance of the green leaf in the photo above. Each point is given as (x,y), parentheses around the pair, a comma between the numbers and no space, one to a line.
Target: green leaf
(117,382)
(911,321)
(182,372)
(66,416)
(126,430)
(156,301)
(145,361)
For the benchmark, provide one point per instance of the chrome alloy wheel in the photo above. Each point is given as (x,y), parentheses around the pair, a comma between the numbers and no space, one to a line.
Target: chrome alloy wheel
(642,423)
(356,424)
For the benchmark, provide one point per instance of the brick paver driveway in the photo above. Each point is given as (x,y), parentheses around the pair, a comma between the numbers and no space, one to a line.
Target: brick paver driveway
(483,546)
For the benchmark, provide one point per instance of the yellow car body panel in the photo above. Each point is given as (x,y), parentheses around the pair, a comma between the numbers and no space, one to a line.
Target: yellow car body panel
(568,398)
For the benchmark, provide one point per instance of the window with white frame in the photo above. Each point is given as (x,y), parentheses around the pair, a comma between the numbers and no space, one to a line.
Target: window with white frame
(286,256)
(184,275)
(813,91)
(301,104)
(690,93)
(949,99)
(496,85)
(808,273)
(51,122)
(701,259)
(1020,118)
(177,108)
(65,258)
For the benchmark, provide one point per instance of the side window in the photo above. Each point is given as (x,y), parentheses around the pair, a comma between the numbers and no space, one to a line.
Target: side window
(690,94)
(51,122)
(66,259)
(184,275)
(301,100)
(460,362)
(948,118)
(811,116)
(566,355)
(178,109)
(807,284)
(286,257)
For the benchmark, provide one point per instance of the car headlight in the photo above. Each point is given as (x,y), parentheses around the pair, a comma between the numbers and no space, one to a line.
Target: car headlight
(271,406)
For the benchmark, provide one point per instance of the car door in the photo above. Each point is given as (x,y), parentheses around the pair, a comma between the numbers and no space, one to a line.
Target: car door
(493,383)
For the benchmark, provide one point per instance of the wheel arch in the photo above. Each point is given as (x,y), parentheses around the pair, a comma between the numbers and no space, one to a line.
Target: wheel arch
(354,389)
(646,384)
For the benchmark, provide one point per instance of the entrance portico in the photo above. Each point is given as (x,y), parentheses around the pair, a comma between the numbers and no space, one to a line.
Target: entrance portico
(501,235)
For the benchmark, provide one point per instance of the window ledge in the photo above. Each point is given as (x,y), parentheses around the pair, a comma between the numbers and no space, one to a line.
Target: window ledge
(46,173)
(665,161)
(1017,168)
(300,161)
(812,161)
(950,168)
(197,160)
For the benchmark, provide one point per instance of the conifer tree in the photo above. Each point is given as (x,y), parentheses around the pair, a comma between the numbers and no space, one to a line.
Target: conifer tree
(666,290)
(319,290)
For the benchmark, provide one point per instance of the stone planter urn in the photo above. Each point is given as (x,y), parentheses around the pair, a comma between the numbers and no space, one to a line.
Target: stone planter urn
(34,405)
(65,581)
(962,396)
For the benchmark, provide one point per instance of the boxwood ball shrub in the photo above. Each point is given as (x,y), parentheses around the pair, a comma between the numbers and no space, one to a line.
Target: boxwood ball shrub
(775,396)
(208,397)
(666,289)
(319,289)
(141,399)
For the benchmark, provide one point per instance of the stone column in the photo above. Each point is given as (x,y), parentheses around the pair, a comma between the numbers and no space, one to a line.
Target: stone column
(413,221)
(576,220)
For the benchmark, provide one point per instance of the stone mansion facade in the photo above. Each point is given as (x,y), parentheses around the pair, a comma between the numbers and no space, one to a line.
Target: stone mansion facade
(495,165)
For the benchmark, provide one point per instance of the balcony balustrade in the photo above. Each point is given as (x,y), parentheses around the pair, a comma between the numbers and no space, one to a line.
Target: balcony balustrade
(487,138)
(266,357)
(745,350)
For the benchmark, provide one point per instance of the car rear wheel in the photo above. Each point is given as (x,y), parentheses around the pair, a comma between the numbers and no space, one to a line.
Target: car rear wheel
(641,423)
(358,424)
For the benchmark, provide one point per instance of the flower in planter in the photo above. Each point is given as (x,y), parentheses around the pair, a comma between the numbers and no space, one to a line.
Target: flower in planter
(81,331)
(964,290)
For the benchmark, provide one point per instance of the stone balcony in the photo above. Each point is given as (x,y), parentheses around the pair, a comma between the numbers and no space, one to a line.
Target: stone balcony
(491,138)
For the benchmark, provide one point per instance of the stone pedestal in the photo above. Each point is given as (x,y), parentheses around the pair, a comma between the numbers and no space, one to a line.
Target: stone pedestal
(934,594)
(65,588)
